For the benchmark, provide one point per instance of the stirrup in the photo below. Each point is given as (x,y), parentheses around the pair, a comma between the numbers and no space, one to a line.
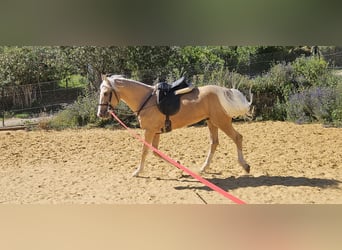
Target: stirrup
(167,125)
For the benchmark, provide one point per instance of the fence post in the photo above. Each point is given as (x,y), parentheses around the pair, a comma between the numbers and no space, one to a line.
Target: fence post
(3,106)
(53,99)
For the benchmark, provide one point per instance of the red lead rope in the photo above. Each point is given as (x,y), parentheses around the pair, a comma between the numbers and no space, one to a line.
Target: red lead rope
(178,165)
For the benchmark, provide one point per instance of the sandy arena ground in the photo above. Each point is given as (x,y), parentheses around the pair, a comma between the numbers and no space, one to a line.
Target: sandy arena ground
(290,163)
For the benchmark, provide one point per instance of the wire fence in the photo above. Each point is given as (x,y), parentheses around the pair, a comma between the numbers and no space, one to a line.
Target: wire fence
(24,103)
(48,97)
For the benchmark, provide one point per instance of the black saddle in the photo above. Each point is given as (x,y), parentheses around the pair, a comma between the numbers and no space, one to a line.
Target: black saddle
(168,98)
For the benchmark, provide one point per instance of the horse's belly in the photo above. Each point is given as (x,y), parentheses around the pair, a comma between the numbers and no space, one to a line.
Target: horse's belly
(188,116)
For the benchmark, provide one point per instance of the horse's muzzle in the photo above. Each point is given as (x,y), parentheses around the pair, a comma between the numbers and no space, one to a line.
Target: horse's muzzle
(103,110)
(104,114)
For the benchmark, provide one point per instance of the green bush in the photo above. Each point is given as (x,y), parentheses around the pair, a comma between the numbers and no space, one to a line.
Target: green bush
(310,71)
(73,81)
(22,116)
(80,113)
(83,112)
(318,96)
(271,90)
(303,91)
(337,112)
(223,77)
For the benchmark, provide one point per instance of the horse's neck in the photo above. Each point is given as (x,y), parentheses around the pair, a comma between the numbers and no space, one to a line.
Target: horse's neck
(134,94)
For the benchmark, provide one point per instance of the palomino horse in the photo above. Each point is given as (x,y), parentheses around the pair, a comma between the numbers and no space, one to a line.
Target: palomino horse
(216,104)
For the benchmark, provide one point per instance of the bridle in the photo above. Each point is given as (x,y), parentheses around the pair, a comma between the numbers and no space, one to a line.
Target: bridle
(110,107)
(108,104)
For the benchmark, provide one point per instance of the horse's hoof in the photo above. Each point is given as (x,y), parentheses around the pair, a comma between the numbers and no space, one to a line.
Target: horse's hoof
(135,174)
(202,169)
(247,168)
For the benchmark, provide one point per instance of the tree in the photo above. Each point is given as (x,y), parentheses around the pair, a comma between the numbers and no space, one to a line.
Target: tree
(92,61)
(27,65)
(194,60)
(150,63)
(24,67)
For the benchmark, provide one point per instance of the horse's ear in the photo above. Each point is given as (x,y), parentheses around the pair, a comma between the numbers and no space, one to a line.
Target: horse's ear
(103,77)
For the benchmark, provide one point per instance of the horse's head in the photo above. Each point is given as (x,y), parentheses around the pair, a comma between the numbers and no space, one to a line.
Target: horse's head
(109,96)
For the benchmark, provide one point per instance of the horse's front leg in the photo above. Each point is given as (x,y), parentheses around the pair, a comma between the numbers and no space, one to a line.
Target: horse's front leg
(148,138)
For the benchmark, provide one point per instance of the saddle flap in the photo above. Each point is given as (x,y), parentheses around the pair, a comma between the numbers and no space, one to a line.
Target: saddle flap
(167,102)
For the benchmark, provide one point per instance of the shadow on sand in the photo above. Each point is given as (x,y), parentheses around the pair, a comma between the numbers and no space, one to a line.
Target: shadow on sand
(232,183)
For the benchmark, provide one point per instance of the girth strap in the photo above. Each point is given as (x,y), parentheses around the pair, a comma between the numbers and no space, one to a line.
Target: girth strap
(167,125)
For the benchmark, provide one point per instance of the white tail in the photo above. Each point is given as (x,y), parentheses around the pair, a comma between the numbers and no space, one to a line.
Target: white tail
(234,102)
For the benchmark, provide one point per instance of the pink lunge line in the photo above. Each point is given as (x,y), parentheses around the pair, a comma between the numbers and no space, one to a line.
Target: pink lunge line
(178,165)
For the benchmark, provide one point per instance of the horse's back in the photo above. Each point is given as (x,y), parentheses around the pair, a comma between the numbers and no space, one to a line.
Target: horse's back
(196,106)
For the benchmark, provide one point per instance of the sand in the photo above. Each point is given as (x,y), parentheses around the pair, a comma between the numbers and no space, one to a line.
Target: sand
(290,163)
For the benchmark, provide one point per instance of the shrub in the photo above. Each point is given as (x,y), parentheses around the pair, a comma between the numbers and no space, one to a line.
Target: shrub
(310,71)
(271,90)
(275,78)
(83,112)
(337,112)
(313,104)
(74,81)
(279,111)
(80,113)
(319,93)
(303,91)
(223,77)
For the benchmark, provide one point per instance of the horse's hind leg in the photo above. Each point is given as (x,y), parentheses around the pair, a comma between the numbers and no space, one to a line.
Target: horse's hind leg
(148,138)
(237,138)
(213,144)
